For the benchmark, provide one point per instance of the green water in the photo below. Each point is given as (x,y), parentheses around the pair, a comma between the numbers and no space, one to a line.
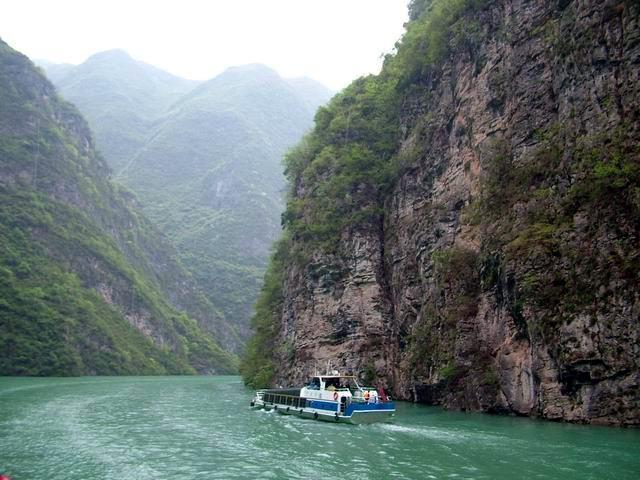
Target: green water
(139,428)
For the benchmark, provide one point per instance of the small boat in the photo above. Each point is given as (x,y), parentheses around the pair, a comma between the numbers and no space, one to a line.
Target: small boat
(331,397)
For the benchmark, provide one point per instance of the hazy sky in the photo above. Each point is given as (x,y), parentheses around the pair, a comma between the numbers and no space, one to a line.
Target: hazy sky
(333,41)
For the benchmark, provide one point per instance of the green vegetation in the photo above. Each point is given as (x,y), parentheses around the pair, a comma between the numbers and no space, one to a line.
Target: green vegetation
(608,170)
(258,366)
(50,323)
(53,324)
(448,372)
(347,158)
(454,299)
(136,95)
(350,160)
(438,28)
(211,179)
(80,270)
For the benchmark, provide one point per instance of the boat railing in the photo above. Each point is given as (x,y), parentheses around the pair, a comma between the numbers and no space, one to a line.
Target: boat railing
(282,399)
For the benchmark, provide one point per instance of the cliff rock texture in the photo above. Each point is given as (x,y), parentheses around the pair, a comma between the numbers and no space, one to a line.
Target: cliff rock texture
(497,267)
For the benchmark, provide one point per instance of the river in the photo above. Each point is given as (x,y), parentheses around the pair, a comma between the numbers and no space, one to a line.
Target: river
(140,428)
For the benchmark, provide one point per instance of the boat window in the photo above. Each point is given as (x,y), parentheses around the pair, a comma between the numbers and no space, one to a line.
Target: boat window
(314,384)
(332,383)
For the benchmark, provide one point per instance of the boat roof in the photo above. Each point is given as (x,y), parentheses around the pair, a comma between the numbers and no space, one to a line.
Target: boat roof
(333,376)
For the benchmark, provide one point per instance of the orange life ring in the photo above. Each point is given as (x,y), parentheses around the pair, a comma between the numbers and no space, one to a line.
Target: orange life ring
(335,395)
(366,395)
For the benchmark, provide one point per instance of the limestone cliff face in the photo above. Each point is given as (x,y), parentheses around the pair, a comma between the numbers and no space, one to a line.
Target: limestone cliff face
(504,274)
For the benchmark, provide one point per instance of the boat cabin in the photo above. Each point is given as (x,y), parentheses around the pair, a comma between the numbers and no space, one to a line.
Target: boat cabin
(340,388)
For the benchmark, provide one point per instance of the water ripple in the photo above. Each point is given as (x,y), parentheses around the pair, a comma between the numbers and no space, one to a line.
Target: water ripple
(202,427)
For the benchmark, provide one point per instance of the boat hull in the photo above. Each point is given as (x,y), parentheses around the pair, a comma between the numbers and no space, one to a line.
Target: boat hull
(354,413)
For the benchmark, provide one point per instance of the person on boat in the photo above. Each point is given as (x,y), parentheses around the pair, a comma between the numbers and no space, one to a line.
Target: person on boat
(371,396)
(383,395)
(331,384)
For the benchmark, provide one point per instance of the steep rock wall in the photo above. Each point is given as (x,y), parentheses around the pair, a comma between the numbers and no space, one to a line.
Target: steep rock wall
(503,275)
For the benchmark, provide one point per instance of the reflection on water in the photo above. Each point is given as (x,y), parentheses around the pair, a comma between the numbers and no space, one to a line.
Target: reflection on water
(202,427)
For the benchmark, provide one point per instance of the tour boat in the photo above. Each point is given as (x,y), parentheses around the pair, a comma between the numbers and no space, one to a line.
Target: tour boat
(331,397)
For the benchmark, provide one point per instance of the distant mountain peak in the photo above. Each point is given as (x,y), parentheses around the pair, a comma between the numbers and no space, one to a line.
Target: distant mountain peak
(111,55)
(237,79)
(251,70)
(251,67)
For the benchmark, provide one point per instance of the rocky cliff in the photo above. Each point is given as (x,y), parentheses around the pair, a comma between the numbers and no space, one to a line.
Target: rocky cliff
(463,228)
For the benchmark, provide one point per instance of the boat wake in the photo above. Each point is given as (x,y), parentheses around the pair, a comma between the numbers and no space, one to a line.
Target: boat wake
(440,435)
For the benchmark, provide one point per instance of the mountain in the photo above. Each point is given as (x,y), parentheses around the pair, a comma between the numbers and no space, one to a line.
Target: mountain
(87,284)
(208,169)
(211,178)
(54,71)
(463,227)
(121,97)
(310,91)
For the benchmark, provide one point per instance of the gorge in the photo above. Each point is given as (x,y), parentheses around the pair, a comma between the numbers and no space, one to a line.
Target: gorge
(461,229)
(202,158)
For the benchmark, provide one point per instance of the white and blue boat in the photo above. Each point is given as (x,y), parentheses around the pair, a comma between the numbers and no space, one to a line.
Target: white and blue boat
(331,397)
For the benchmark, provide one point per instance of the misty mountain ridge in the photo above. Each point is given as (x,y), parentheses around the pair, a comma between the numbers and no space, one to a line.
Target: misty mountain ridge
(87,284)
(203,158)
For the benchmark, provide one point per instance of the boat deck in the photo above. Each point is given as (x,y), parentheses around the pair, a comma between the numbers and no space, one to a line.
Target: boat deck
(289,402)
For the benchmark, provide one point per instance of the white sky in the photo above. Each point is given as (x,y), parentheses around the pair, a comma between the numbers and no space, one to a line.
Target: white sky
(332,41)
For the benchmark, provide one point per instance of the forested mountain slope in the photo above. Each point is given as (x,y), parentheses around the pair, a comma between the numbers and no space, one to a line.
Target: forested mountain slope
(463,228)
(87,285)
(211,178)
(120,97)
(207,168)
